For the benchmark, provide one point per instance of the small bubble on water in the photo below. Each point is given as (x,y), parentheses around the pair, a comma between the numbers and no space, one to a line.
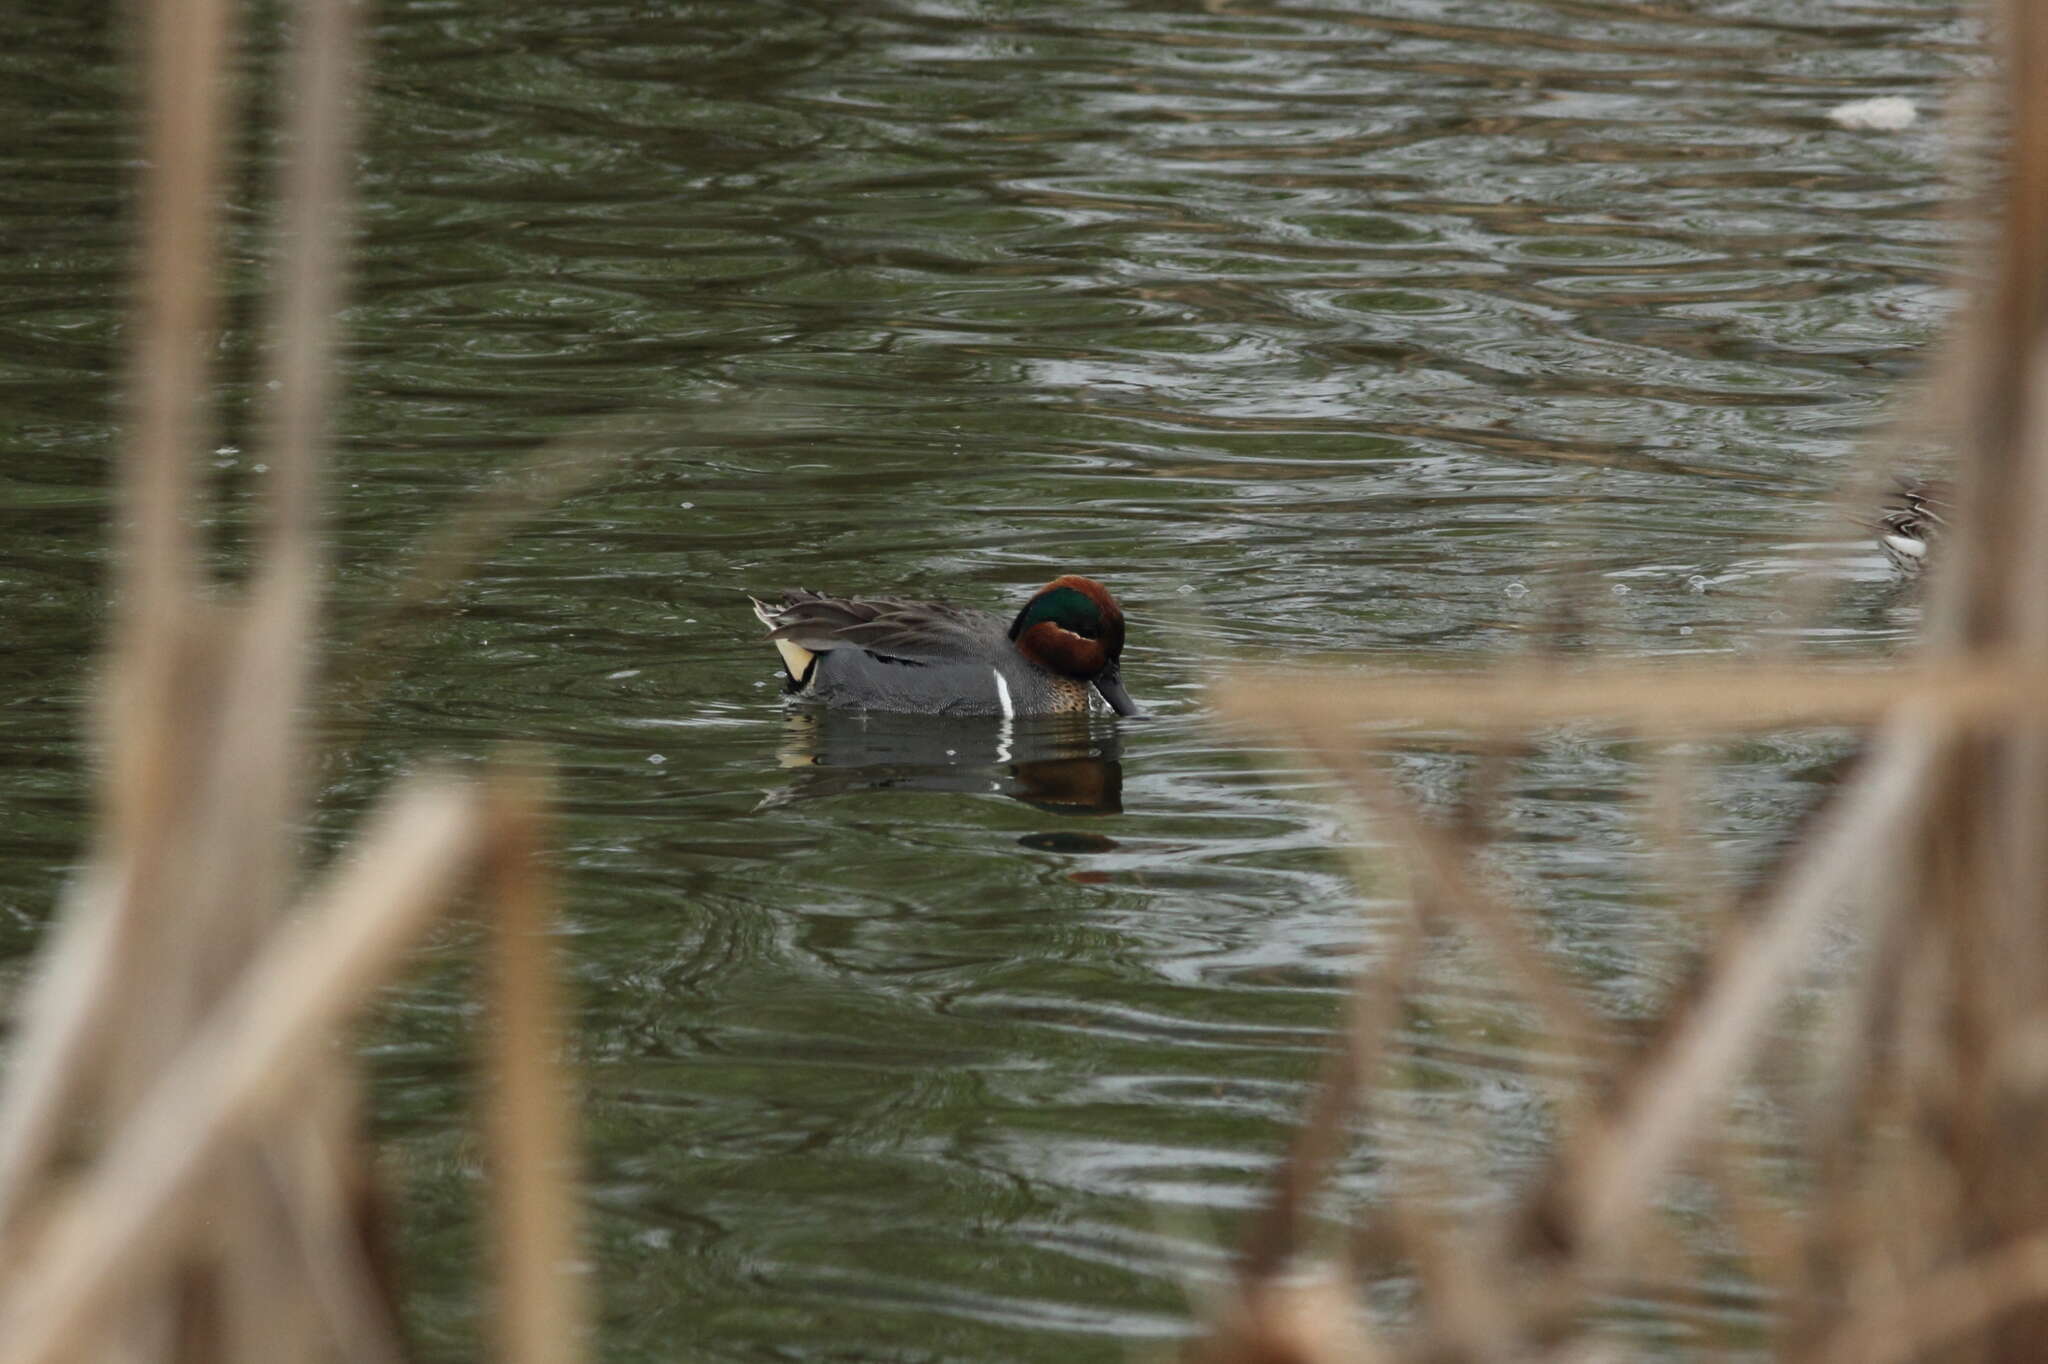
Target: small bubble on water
(1685,629)
(261,468)
(1621,589)
(1697,582)
(759,685)
(1186,589)
(1517,588)
(656,759)
(688,505)
(952,752)
(226,450)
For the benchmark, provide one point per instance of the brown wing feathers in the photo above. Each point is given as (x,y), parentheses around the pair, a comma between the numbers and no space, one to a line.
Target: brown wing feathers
(888,626)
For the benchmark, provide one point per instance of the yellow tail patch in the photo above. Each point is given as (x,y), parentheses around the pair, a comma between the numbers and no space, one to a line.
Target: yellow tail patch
(795,657)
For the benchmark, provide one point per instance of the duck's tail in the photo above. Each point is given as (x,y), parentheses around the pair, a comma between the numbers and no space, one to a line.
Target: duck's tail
(796,659)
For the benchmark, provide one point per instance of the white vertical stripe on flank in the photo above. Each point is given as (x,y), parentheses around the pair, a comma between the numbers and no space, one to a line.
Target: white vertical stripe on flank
(1003,694)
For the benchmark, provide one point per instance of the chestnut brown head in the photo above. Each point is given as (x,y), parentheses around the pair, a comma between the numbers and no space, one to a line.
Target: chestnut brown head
(1074,627)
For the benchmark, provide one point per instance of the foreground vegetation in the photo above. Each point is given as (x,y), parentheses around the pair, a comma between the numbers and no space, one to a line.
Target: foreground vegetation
(182,1172)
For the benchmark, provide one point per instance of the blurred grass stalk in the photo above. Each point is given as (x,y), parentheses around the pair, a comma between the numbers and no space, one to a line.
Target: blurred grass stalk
(1914,1224)
(183,1173)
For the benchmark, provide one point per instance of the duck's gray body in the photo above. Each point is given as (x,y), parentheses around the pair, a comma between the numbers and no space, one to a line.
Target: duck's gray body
(923,658)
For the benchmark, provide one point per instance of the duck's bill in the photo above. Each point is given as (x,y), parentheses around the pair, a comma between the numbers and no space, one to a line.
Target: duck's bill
(1111,685)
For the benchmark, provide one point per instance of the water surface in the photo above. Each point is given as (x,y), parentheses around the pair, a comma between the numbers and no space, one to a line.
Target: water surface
(1380,330)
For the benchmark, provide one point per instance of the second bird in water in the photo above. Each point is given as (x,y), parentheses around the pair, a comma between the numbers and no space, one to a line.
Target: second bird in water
(1911,521)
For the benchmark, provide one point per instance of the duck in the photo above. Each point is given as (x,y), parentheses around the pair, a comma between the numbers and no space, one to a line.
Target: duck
(1911,521)
(1063,648)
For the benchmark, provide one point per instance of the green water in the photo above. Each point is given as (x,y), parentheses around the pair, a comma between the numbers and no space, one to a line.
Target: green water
(1372,329)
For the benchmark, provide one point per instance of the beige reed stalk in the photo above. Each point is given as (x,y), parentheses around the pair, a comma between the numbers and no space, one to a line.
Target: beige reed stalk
(182,1169)
(1920,1229)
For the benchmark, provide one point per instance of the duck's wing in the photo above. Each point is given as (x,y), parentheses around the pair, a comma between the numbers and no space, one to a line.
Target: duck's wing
(910,631)
(1917,506)
(1933,501)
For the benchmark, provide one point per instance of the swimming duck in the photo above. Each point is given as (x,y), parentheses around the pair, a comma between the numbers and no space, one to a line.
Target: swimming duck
(929,658)
(1911,522)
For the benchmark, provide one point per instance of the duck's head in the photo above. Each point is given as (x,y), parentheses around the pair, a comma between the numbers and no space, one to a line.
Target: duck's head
(1074,627)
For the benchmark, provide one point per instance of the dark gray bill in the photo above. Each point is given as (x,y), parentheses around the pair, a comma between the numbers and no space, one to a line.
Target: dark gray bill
(1111,685)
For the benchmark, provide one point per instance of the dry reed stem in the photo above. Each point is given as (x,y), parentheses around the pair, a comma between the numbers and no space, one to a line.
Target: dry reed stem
(1980,868)
(541,1287)
(1765,1238)
(171,1018)
(283,601)
(1973,607)
(320,1164)
(1309,1318)
(245,1287)
(1942,1306)
(1674,699)
(1609,1185)
(1926,1236)
(248,1059)
(1349,1070)
(1608,1174)
(65,1025)
(158,621)
(188,41)
(306,304)
(1443,884)
(1463,1306)
(1440,867)
(84,966)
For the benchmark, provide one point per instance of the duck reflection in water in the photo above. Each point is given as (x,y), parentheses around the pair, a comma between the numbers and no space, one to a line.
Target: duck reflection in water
(1067,764)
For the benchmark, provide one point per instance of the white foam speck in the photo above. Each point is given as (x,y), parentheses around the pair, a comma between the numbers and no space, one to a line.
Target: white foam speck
(656,759)
(1885,114)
